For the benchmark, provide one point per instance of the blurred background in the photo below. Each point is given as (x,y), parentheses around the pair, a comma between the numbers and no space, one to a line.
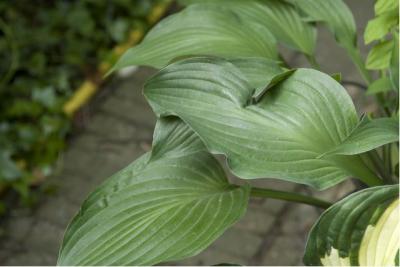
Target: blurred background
(48,50)
(64,128)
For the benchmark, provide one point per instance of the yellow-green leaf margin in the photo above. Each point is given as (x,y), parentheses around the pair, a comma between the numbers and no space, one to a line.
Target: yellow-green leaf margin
(362,229)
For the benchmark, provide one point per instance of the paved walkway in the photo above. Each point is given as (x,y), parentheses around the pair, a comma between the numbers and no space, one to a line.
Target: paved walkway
(120,130)
(271,233)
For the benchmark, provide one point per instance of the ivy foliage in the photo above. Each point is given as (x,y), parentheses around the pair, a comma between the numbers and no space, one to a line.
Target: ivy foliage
(48,48)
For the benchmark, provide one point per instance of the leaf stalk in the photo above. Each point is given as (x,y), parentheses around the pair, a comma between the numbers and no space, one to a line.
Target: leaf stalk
(289,196)
(313,61)
(359,62)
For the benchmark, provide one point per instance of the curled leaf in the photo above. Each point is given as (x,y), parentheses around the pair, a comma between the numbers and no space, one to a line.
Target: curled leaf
(280,135)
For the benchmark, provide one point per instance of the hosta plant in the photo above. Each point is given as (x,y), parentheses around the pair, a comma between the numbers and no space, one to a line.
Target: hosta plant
(224,89)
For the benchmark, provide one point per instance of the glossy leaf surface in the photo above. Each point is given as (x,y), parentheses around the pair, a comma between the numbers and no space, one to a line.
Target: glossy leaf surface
(280,135)
(167,205)
(362,229)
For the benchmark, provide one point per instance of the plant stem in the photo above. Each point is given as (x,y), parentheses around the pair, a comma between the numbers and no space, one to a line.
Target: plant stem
(289,196)
(359,62)
(313,62)
(284,62)
(354,83)
(387,160)
(358,169)
(380,166)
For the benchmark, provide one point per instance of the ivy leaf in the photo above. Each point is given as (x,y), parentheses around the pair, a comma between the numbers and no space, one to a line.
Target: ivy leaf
(368,135)
(380,55)
(378,27)
(279,136)
(45,96)
(361,229)
(167,205)
(280,17)
(9,171)
(118,29)
(201,30)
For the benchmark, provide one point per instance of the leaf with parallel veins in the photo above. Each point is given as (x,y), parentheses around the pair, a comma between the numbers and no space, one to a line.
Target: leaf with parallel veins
(361,229)
(167,205)
(280,136)
(368,135)
(335,14)
(280,17)
(201,30)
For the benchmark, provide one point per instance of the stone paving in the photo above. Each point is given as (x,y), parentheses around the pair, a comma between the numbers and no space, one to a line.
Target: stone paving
(119,130)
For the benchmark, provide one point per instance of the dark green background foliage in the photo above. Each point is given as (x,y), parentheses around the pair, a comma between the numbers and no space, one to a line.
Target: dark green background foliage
(47,49)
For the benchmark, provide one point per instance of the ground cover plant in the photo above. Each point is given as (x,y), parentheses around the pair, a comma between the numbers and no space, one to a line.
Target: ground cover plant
(46,56)
(223,88)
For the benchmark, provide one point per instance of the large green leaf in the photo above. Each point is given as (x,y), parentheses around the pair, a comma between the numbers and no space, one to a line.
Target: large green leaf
(279,136)
(369,134)
(166,205)
(335,14)
(362,229)
(284,23)
(201,30)
(258,71)
(281,18)
(340,21)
